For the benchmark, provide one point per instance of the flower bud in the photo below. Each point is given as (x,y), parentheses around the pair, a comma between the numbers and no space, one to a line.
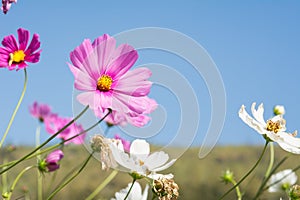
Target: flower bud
(279,110)
(227,177)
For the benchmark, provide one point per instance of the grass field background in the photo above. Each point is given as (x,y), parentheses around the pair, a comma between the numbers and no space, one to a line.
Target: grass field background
(197,178)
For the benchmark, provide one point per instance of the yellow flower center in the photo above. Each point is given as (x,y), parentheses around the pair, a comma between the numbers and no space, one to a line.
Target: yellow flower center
(17,57)
(104,83)
(273,126)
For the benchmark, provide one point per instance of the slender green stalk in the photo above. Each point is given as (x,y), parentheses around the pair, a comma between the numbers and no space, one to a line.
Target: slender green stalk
(249,172)
(70,179)
(16,110)
(130,189)
(46,142)
(16,181)
(271,160)
(38,158)
(35,153)
(238,191)
(4,179)
(102,185)
(261,188)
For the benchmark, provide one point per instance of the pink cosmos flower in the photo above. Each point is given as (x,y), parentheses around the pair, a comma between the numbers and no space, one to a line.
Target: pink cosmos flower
(126,143)
(52,160)
(6,4)
(55,123)
(13,54)
(101,71)
(40,111)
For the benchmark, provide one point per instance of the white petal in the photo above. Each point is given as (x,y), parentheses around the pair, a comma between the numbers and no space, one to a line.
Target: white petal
(140,149)
(145,194)
(122,158)
(135,193)
(156,160)
(259,113)
(160,176)
(282,177)
(166,166)
(260,128)
(288,142)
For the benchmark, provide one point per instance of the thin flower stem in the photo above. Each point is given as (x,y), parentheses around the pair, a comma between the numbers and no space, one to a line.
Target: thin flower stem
(35,153)
(271,160)
(130,189)
(46,142)
(71,178)
(16,110)
(4,179)
(238,191)
(38,157)
(249,172)
(16,181)
(102,185)
(260,190)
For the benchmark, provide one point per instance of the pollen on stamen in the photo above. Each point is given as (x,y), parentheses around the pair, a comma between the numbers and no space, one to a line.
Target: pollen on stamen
(273,126)
(104,83)
(141,163)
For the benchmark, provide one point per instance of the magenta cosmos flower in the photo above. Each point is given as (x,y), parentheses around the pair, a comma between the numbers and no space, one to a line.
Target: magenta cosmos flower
(55,123)
(51,163)
(101,72)
(6,4)
(40,111)
(14,55)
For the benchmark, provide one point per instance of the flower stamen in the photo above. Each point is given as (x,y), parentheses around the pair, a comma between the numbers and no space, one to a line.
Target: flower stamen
(17,57)
(273,126)
(104,83)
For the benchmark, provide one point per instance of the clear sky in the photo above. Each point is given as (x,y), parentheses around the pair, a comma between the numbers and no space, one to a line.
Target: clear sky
(254,44)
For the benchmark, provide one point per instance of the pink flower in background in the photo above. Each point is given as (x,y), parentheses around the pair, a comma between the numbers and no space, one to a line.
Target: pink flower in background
(55,123)
(126,143)
(14,54)
(101,71)
(52,160)
(6,4)
(40,111)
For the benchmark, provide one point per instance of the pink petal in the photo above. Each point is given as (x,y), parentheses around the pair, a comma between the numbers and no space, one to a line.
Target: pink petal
(122,63)
(23,36)
(82,80)
(104,46)
(10,43)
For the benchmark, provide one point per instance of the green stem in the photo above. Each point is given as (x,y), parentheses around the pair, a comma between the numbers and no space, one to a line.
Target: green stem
(130,189)
(238,191)
(102,185)
(249,172)
(71,178)
(16,181)
(38,157)
(46,142)
(35,153)
(16,110)
(4,179)
(260,190)
(271,160)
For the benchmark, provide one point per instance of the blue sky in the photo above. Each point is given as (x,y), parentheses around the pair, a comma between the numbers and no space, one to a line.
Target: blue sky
(255,46)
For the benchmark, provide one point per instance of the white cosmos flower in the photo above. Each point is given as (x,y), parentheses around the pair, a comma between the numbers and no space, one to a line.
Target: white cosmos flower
(282,180)
(273,128)
(140,160)
(135,193)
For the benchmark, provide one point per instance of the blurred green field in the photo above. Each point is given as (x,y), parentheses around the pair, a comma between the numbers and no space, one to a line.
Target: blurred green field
(197,178)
